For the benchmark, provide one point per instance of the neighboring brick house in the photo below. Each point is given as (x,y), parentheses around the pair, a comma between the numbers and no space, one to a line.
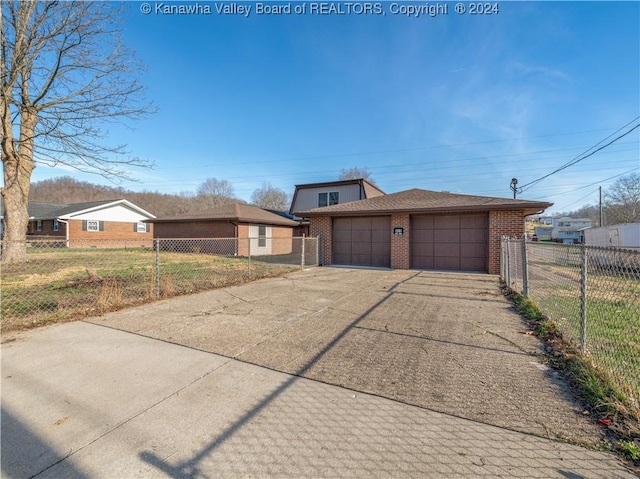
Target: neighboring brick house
(112,223)
(317,195)
(420,229)
(253,229)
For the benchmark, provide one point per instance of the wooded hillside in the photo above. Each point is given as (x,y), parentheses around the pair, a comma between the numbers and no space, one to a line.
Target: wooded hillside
(68,190)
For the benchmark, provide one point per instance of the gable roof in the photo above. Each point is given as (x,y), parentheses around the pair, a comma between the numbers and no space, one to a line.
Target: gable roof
(239,212)
(425,201)
(356,181)
(369,189)
(48,211)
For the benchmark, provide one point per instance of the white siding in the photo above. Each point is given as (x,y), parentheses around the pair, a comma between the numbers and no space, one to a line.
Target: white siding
(627,235)
(118,213)
(254,241)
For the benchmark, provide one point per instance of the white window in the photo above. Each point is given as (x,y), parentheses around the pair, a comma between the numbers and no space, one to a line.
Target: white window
(328,199)
(262,236)
(141,227)
(39,225)
(93,225)
(56,225)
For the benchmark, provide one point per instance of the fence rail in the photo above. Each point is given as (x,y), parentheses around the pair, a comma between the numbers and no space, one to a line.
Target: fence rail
(591,293)
(60,281)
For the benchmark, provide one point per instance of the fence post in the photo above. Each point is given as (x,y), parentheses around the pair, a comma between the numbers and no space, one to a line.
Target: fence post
(583,299)
(502,259)
(525,268)
(508,263)
(249,256)
(156,244)
(303,245)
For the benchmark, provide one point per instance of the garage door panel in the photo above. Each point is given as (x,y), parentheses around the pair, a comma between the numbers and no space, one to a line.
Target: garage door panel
(342,258)
(473,250)
(421,223)
(380,248)
(380,236)
(446,249)
(342,246)
(450,242)
(473,222)
(421,236)
(362,241)
(422,262)
(361,223)
(473,264)
(361,259)
(361,236)
(380,261)
(446,222)
(447,262)
(474,236)
(422,249)
(342,235)
(446,235)
(380,223)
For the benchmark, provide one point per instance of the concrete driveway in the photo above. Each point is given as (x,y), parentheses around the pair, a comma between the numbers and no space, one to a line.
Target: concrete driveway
(328,372)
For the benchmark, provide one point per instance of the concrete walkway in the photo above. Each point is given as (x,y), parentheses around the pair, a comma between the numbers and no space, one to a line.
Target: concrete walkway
(86,400)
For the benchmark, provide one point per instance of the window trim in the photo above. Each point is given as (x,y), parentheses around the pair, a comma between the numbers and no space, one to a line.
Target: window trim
(38,225)
(90,226)
(56,225)
(140,225)
(329,198)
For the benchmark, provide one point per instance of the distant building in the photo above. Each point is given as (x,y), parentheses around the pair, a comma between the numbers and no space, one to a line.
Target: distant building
(624,236)
(570,230)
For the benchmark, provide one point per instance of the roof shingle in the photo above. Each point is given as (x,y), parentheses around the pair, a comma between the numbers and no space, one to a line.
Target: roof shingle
(233,212)
(424,201)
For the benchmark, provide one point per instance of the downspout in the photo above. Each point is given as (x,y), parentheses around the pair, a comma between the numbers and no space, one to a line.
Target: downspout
(66,230)
(235,234)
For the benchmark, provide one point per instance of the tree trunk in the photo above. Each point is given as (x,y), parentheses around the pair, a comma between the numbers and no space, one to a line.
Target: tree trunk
(18,165)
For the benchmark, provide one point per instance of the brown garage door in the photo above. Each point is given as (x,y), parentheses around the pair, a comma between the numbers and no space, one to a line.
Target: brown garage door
(450,242)
(362,241)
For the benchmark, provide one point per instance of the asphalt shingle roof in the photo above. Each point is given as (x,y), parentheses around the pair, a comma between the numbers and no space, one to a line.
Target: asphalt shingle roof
(233,212)
(424,201)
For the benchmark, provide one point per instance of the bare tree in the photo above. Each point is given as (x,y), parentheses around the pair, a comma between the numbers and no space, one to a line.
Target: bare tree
(356,173)
(270,198)
(623,200)
(64,76)
(216,192)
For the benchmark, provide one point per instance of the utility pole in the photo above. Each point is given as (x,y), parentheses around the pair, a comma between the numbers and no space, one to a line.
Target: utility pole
(514,187)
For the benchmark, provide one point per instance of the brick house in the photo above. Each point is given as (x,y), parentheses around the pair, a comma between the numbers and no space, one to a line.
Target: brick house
(252,228)
(112,223)
(420,229)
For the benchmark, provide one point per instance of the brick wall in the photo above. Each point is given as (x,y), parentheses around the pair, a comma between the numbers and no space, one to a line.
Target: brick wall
(502,223)
(47,229)
(195,229)
(400,251)
(321,226)
(280,237)
(115,234)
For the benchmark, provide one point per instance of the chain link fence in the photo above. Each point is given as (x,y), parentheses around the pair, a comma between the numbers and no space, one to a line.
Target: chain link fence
(60,281)
(591,293)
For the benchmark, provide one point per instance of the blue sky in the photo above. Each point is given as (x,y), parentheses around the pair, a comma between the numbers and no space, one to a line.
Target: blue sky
(460,103)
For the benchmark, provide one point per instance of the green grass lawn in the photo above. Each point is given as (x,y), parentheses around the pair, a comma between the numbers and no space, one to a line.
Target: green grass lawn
(612,326)
(67,284)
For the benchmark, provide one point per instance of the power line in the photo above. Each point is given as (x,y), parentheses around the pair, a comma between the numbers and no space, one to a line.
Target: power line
(583,156)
